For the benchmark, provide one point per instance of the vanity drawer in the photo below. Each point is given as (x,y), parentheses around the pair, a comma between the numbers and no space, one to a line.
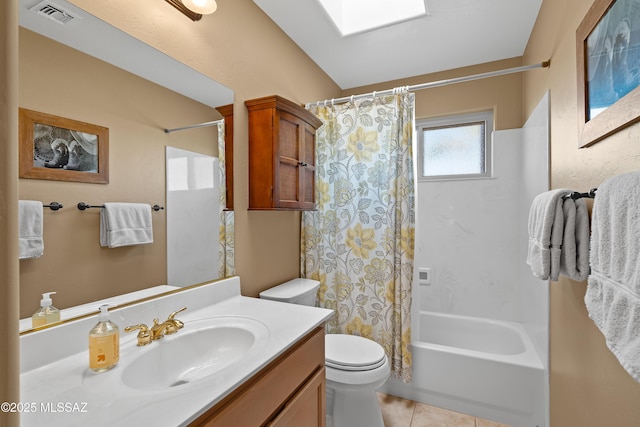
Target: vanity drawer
(307,407)
(289,388)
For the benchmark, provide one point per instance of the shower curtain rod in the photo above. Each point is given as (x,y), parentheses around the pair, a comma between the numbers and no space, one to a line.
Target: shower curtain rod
(429,85)
(199,125)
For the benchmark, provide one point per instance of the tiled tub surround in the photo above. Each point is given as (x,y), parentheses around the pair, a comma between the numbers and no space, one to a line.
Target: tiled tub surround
(54,361)
(472,234)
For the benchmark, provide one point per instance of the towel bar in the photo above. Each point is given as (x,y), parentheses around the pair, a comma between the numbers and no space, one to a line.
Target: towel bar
(82,206)
(591,194)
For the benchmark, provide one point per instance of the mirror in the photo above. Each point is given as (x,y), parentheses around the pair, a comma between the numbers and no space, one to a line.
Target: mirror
(87,70)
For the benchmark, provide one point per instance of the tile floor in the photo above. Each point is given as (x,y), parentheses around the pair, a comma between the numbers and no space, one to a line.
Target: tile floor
(398,412)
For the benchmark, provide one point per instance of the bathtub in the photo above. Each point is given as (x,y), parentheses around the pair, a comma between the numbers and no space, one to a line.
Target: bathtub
(481,367)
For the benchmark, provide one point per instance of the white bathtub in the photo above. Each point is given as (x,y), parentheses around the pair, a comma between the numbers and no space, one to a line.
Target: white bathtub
(480,367)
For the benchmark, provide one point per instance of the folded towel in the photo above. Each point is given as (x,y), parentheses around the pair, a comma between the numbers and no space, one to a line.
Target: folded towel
(574,257)
(613,290)
(546,222)
(125,224)
(30,229)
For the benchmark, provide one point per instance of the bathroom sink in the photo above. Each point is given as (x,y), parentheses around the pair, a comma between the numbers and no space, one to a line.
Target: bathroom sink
(203,348)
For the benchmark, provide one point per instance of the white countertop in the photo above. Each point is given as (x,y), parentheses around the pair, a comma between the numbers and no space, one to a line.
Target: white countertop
(57,389)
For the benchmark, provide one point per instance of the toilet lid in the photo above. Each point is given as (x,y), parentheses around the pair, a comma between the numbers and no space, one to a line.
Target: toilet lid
(290,290)
(352,353)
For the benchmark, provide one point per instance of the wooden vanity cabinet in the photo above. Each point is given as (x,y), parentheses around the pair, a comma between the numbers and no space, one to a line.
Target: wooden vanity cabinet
(289,392)
(281,154)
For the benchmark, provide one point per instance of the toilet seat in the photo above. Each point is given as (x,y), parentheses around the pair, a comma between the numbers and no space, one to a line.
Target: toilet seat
(353,353)
(355,367)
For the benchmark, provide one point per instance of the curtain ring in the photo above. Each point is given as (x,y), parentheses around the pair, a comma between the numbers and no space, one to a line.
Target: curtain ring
(332,99)
(352,99)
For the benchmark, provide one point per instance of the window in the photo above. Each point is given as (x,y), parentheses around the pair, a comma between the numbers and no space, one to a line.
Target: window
(455,147)
(357,16)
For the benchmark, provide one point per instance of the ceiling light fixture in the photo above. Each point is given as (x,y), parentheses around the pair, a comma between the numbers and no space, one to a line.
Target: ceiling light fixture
(194,9)
(203,7)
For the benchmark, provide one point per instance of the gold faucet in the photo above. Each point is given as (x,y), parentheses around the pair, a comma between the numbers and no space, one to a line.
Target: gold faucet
(158,330)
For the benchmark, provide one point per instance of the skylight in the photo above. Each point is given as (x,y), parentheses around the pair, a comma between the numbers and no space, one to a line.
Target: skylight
(357,16)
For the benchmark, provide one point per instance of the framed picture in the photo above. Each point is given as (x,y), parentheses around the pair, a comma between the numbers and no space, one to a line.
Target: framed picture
(608,56)
(55,148)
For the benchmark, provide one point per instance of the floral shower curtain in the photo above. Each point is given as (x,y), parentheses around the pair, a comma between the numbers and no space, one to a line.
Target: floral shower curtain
(227,220)
(359,243)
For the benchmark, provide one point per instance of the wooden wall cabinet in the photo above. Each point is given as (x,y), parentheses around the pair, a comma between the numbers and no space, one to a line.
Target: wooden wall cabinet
(289,392)
(282,142)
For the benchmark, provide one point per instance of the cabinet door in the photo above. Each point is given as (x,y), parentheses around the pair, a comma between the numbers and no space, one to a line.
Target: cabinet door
(281,155)
(306,407)
(290,134)
(308,168)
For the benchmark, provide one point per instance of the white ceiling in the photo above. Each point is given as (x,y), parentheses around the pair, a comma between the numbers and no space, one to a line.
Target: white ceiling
(454,34)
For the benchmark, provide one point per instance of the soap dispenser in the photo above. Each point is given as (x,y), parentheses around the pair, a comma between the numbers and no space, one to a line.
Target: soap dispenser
(104,343)
(47,312)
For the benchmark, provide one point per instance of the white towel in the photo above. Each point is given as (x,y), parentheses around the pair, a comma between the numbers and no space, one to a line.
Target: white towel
(30,229)
(125,224)
(613,291)
(574,257)
(546,222)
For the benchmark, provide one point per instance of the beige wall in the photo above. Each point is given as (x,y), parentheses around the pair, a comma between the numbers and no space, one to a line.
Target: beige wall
(9,280)
(502,94)
(61,81)
(588,386)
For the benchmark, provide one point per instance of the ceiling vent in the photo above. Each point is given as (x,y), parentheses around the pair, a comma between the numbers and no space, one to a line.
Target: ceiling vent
(53,12)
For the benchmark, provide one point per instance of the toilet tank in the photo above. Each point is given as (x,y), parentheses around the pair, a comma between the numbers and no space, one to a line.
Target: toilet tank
(296,291)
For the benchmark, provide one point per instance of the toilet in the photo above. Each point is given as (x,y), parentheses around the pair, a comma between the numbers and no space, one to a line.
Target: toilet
(355,366)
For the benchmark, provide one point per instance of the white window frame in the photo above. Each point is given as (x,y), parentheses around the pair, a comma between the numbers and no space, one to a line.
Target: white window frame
(456,120)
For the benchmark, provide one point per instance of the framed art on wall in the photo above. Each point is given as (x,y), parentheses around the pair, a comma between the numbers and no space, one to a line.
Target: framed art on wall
(608,62)
(60,149)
